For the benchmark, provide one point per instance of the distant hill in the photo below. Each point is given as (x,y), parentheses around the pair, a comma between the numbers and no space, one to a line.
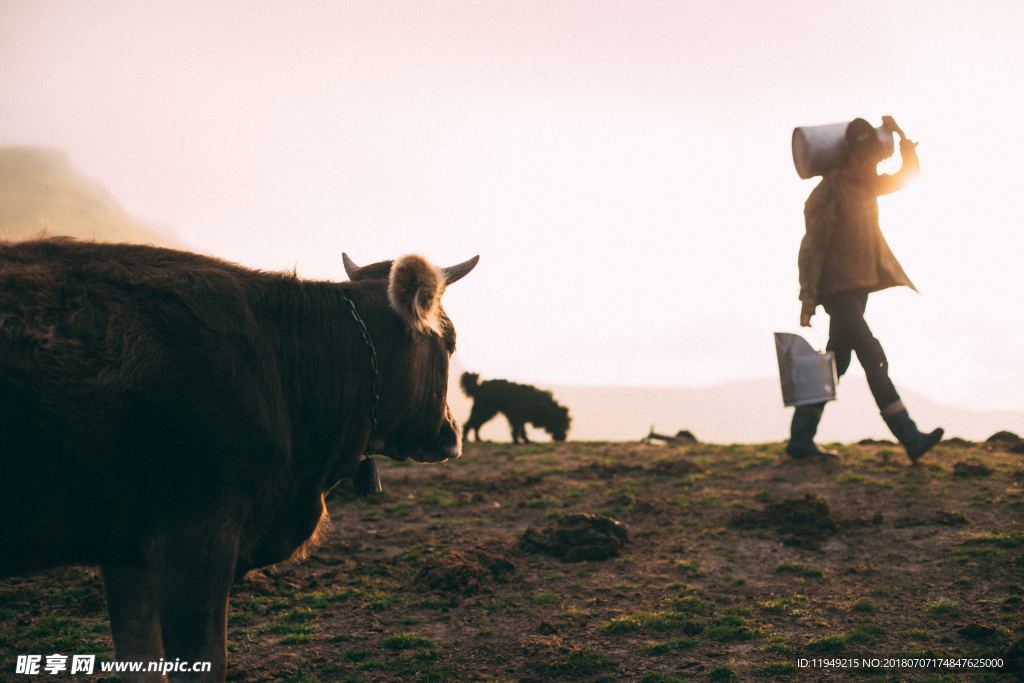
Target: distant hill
(740,412)
(41,194)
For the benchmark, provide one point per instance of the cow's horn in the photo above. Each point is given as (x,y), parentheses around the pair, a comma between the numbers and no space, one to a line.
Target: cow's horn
(350,266)
(454,273)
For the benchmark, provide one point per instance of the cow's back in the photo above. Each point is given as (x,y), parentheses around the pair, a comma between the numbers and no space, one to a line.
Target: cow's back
(124,377)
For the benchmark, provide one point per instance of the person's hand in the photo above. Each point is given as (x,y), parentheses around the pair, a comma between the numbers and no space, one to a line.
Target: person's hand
(889,123)
(805,318)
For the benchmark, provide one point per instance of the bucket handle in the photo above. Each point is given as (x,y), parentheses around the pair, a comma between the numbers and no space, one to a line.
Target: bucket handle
(814,336)
(819,339)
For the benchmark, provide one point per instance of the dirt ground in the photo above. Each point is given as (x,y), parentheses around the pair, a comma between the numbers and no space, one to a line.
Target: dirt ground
(734,563)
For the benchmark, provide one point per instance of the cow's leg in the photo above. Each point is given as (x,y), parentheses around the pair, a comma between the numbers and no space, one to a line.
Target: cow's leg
(133,603)
(194,586)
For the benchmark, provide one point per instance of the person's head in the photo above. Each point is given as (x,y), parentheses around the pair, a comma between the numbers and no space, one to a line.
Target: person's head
(864,149)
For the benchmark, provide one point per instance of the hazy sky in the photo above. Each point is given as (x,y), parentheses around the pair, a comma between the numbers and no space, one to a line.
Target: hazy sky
(623,169)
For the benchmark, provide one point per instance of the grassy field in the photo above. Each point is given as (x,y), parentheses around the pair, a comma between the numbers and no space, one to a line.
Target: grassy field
(739,562)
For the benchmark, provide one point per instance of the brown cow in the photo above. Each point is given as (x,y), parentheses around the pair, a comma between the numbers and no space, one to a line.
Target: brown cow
(177,419)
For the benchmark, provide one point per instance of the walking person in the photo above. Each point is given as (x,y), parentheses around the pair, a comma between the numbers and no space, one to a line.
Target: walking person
(843,258)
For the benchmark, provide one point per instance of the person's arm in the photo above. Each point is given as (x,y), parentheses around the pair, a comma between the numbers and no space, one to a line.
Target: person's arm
(819,221)
(910,167)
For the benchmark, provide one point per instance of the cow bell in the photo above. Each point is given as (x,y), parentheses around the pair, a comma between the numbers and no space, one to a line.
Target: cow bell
(368,478)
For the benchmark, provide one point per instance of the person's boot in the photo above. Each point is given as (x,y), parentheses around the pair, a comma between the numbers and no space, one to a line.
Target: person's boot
(916,442)
(801,434)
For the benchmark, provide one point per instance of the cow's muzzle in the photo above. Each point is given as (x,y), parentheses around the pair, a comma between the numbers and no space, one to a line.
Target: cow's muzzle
(447,446)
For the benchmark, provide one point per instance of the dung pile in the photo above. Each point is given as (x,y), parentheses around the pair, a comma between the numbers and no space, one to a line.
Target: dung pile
(876,442)
(971,468)
(578,537)
(464,572)
(801,522)
(1005,441)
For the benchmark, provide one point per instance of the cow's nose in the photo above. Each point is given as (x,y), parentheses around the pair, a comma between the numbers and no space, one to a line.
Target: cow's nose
(449,440)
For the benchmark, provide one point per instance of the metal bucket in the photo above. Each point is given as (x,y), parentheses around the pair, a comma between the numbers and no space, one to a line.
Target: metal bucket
(807,376)
(818,149)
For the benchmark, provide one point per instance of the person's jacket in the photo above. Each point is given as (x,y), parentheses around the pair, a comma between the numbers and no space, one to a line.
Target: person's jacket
(843,248)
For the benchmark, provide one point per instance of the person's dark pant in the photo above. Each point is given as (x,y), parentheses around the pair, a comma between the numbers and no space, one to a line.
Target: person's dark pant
(848,332)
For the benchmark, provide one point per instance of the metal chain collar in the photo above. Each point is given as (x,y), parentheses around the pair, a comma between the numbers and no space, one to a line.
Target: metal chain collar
(373,365)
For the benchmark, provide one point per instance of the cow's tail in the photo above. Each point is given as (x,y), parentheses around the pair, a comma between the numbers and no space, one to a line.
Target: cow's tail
(470,381)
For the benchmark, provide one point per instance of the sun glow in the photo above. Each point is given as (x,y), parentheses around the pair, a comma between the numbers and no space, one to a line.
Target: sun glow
(625,176)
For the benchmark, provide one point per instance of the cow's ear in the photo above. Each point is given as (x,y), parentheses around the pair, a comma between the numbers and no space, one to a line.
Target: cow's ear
(414,289)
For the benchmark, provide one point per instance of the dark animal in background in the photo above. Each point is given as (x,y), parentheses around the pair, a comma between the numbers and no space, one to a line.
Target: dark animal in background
(519,403)
(177,419)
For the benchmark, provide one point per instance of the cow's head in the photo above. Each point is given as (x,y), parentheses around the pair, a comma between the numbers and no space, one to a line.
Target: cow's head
(415,341)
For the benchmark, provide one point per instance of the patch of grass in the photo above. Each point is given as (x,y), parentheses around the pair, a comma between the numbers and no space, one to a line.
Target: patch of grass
(864,605)
(236,619)
(964,581)
(356,655)
(434,603)
(732,628)
(323,598)
(920,634)
(384,601)
(862,480)
(582,662)
(943,607)
(775,669)
(299,616)
(543,502)
(290,629)
(295,639)
(984,634)
(272,604)
(691,604)
(547,598)
(504,604)
(779,646)
(785,606)
(999,539)
(60,634)
(402,508)
(647,622)
(868,631)
(797,569)
(673,646)
(689,568)
(722,673)
(439,498)
(831,643)
(406,641)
